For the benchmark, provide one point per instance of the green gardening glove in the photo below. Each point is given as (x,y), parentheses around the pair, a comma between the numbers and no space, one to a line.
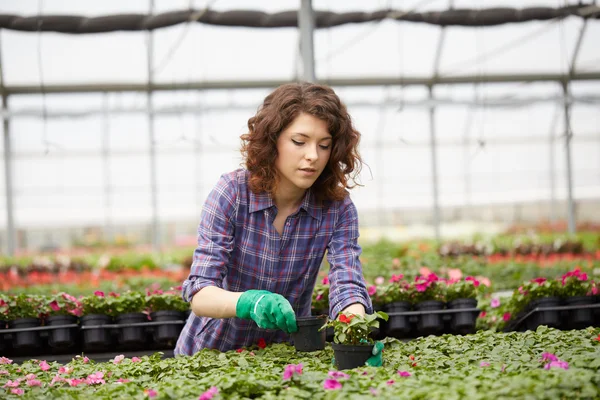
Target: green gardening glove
(376,359)
(269,310)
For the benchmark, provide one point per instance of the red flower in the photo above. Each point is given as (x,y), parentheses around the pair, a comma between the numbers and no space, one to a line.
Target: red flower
(506,316)
(239,350)
(597,338)
(346,318)
(411,357)
(261,343)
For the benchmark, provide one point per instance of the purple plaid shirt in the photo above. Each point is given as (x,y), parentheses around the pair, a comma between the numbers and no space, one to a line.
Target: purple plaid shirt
(239,249)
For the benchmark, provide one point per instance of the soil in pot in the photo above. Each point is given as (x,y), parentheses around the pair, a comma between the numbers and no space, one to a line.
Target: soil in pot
(397,326)
(351,356)
(96,338)
(132,336)
(62,338)
(430,322)
(549,318)
(25,340)
(580,318)
(308,337)
(166,334)
(463,323)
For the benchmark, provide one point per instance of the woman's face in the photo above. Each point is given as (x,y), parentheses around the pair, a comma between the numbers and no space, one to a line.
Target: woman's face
(303,150)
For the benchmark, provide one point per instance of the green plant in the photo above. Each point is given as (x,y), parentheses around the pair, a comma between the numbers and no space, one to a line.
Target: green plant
(535,289)
(320,299)
(128,302)
(62,304)
(354,329)
(426,289)
(97,303)
(24,306)
(395,292)
(168,301)
(575,283)
(467,288)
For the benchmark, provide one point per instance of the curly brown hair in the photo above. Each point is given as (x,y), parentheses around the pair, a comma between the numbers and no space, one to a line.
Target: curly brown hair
(279,109)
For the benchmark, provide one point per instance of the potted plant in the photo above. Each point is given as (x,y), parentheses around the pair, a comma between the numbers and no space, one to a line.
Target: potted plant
(320,304)
(538,292)
(310,336)
(352,343)
(463,295)
(169,308)
(128,308)
(97,311)
(62,309)
(24,312)
(396,296)
(428,296)
(576,290)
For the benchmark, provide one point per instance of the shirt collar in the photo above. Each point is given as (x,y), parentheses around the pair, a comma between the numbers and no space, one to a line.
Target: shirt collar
(262,201)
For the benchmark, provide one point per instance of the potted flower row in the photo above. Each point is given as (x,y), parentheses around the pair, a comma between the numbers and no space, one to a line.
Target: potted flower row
(60,314)
(429,295)
(538,302)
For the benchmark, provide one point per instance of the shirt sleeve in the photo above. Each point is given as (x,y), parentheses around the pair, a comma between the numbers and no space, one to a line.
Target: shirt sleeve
(347,285)
(215,238)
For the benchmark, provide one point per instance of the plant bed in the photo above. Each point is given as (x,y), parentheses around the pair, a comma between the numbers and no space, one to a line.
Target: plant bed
(486,364)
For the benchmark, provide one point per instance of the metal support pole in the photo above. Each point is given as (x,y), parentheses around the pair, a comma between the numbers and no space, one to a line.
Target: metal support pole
(11,236)
(306,22)
(552,159)
(153,180)
(108,229)
(467,163)
(434,169)
(568,137)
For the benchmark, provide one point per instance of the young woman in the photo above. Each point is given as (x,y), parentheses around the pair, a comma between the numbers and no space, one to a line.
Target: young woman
(265,229)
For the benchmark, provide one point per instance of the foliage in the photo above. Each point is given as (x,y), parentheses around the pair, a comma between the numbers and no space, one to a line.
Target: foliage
(467,288)
(167,301)
(98,303)
(128,302)
(575,283)
(354,329)
(320,299)
(24,306)
(485,365)
(427,288)
(62,304)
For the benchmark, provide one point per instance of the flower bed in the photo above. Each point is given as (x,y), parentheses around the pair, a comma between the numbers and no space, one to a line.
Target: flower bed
(546,364)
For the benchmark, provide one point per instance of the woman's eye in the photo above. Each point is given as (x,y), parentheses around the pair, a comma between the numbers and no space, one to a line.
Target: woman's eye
(324,147)
(297,143)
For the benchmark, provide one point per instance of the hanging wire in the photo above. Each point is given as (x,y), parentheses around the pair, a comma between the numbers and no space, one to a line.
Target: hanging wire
(479,49)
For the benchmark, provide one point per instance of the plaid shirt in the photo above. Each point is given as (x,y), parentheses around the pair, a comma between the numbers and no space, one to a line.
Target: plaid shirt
(239,249)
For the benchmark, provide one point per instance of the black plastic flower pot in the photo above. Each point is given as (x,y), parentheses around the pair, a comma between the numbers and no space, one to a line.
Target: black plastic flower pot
(463,323)
(166,334)
(62,338)
(583,317)
(597,312)
(96,338)
(550,318)
(430,322)
(132,336)
(308,337)
(3,344)
(397,326)
(25,340)
(351,356)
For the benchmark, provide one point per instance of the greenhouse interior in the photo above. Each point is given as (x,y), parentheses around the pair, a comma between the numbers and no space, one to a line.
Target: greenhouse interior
(420,251)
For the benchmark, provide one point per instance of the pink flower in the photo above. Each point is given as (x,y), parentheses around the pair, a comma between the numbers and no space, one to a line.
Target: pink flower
(495,303)
(484,364)
(99,293)
(30,376)
(380,280)
(319,297)
(331,384)
(76,381)
(150,392)
(121,380)
(135,359)
(209,394)
(95,378)
(539,281)
(118,359)
(44,366)
(4,360)
(338,375)
(484,281)
(373,391)
(325,280)
(557,364)
(57,378)
(291,370)
(506,317)
(390,382)
(475,281)
(372,290)
(455,274)
(482,314)
(421,287)
(34,382)
(4,372)
(11,384)
(424,271)
(18,392)
(54,305)
(86,360)
(404,373)
(549,357)
(396,278)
